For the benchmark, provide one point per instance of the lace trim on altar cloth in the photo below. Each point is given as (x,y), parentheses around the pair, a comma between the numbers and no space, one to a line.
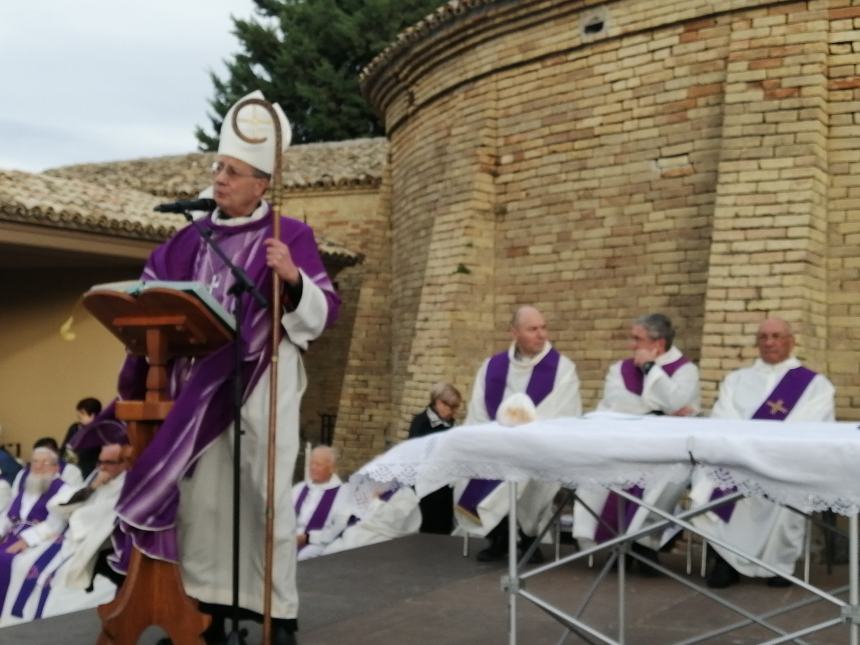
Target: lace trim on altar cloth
(781,493)
(378,477)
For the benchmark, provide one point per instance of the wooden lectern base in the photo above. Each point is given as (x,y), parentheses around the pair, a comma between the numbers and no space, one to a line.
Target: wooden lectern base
(152,594)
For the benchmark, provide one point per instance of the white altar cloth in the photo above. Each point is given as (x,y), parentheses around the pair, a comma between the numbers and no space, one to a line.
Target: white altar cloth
(811,466)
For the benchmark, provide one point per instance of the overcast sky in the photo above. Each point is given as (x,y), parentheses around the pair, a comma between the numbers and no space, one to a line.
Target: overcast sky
(105,80)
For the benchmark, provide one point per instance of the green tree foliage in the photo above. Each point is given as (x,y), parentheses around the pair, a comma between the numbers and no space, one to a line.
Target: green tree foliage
(306,55)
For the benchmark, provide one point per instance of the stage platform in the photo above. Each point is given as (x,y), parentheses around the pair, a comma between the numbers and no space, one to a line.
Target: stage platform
(420,590)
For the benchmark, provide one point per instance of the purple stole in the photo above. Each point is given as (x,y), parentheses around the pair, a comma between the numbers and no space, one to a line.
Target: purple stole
(539,387)
(38,513)
(610,524)
(776,407)
(321,512)
(540,383)
(634,379)
(201,389)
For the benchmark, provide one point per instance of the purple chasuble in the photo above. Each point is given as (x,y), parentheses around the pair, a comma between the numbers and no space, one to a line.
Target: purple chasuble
(634,379)
(539,387)
(38,513)
(776,407)
(201,389)
(321,512)
(611,523)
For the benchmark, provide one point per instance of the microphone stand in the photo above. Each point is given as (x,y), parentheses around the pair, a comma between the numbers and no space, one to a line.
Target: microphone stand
(241,286)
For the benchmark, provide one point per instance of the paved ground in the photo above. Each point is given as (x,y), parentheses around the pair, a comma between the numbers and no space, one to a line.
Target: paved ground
(420,590)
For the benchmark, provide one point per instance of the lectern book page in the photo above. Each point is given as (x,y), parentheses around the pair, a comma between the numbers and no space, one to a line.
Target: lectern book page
(197,289)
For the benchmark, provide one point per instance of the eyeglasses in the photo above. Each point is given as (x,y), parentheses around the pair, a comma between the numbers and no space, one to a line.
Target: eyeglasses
(230,171)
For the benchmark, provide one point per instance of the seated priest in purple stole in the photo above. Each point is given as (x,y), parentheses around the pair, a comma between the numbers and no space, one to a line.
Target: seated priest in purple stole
(322,504)
(657,379)
(777,388)
(531,365)
(175,503)
(30,533)
(71,584)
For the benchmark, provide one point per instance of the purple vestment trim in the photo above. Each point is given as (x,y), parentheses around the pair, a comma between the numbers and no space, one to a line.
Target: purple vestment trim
(39,511)
(321,512)
(608,526)
(786,394)
(540,385)
(201,389)
(634,379)
(475,492)
(777,406)
(29,584)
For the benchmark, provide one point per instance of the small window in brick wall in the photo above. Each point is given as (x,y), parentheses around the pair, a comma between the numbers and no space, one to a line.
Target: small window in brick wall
(594,23)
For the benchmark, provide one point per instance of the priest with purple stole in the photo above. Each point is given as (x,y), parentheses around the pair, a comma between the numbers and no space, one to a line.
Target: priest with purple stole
(175,503)
(775,388)
(321,503)
(657,379)
(30,533)
(531,365)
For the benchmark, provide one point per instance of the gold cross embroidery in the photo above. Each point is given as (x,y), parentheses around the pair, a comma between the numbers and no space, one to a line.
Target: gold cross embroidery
(777,407)
(253,121)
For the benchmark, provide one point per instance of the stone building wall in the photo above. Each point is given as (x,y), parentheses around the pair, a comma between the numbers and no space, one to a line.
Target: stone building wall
(348,367)
(843,205)
(602,160)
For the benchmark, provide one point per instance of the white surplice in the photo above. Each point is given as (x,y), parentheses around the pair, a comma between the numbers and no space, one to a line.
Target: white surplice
(534,498)
(381,521)
(660,393)
(759,527)
(205,509)
(90,525)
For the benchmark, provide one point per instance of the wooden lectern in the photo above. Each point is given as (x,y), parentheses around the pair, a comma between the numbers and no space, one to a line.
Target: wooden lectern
(159,323)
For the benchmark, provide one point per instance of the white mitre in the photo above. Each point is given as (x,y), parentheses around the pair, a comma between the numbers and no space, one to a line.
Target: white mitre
(255,122)
(516,410)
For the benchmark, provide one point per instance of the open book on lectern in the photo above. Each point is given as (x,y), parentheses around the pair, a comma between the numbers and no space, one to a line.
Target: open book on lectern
(196,289)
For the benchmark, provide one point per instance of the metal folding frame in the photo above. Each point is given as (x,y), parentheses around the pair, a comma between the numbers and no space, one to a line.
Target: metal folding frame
(514,582)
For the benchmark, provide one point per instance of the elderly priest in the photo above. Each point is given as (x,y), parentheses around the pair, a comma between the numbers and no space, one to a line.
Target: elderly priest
(30,533)
(775,388)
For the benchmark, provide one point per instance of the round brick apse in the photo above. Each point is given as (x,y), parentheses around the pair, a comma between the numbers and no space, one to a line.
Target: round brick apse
(604,160)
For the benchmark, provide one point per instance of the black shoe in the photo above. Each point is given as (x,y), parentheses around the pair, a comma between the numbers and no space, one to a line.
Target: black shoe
(778,581)
(498,547)
(722,574)
(492,554)
(646,569)
(525,544)
(283,633)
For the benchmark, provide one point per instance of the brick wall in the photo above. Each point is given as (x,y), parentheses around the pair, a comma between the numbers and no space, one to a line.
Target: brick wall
(692,158)
(348,367)
(843,205)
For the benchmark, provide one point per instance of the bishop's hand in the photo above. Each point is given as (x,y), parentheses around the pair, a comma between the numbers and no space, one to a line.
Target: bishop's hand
(279,258)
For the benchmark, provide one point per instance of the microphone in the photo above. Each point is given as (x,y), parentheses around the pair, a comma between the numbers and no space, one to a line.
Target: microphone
(184,205)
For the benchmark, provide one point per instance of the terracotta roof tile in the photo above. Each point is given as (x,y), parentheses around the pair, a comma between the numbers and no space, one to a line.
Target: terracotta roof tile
(357,162)
(71,204)
(60,203)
